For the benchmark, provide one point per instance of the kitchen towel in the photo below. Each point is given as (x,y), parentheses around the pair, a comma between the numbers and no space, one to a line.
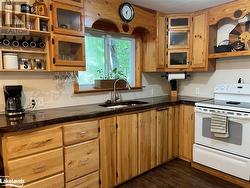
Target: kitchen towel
(219,125)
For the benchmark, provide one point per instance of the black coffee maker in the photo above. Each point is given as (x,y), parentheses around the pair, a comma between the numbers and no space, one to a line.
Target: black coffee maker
(13,104)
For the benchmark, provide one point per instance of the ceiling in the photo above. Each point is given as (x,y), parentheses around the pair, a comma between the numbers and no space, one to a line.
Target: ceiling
(178,6)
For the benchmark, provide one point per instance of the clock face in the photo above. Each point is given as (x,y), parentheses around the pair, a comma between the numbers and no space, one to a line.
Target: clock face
(126,12)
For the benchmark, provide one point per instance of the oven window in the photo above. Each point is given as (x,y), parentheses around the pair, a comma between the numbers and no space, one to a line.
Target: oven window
(235,132)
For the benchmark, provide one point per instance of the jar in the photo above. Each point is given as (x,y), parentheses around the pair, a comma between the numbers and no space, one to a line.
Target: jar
(10,61)
(25,64)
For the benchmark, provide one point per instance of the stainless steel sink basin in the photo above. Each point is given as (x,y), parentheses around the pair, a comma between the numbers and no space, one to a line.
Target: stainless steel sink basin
(123,104)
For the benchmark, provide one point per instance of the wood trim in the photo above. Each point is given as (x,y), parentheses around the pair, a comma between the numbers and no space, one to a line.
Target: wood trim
(221,175)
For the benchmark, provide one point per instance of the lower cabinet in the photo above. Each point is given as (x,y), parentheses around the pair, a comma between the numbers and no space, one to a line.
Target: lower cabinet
(186,132)
(147,141)
(88,181)
(167,134)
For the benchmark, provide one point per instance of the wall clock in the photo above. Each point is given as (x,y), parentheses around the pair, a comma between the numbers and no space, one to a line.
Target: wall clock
(126,12)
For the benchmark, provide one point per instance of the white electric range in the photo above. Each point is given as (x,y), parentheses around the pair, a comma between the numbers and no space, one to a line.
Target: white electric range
(230,155)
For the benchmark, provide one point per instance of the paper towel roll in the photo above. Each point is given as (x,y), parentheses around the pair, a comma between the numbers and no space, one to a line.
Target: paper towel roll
(177,76)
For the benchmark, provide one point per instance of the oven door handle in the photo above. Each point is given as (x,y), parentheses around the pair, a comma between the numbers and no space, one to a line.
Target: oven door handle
(198,110)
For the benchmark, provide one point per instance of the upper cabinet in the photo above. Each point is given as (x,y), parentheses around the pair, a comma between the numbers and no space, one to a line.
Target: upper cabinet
(67,19)
(68,36)
(182,42)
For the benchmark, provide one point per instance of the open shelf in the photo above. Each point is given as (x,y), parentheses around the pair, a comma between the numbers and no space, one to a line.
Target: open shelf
(26,14)
(31,32)
(229,54)
(18,70)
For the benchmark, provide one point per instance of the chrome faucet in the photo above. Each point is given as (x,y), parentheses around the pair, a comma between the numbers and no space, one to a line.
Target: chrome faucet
(114,96)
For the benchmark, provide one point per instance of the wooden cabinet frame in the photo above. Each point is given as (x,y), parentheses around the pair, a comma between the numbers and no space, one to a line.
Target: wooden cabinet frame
(170,18)
(78,3)
(186,66)
(76,40)
(179,46)
(59,30)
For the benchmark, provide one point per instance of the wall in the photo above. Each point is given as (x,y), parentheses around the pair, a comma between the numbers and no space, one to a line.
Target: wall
(228,71)
(56,94)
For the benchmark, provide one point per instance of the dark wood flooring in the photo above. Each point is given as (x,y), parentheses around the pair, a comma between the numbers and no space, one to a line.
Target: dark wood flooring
(177,173)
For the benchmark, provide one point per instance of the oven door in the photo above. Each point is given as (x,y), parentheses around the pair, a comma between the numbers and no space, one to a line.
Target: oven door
(239,130)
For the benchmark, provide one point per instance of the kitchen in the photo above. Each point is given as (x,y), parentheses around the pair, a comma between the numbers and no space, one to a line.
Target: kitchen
(143,128)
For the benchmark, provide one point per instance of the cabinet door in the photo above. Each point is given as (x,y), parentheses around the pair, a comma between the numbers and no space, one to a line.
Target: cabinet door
(81,159)
(147,141)
(178,58)
(108,152)
(161,40)
(78,3)
(127,166)
(178,39)
(200,42)
(186,132)
(67,19)
(68,51)
(178,22)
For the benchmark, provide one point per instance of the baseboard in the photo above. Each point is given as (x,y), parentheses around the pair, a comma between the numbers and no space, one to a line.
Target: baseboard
(221,175)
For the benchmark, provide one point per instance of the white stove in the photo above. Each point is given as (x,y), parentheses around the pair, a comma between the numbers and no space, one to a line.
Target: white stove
(231,154)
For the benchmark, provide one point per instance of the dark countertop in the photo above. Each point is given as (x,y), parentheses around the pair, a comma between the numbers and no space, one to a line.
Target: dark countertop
(47,117)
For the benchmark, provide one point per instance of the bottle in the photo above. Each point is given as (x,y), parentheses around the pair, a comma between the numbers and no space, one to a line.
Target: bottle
(14,42)
(8,14)
(40,43)
(32,43)
(5,41)
(24,42)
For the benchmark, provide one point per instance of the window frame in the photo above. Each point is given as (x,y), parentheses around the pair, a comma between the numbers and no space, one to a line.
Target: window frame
(137,54)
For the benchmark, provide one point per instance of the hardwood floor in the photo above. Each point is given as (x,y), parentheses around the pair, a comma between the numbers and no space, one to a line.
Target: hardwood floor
(177,173)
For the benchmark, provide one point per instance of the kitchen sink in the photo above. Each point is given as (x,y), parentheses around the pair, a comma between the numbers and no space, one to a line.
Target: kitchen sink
(123,104)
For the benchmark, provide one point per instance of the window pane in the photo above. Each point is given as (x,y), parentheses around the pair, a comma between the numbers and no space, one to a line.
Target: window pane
(122,58)
(95,63)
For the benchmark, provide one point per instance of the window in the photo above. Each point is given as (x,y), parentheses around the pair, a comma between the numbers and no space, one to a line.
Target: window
(108,56)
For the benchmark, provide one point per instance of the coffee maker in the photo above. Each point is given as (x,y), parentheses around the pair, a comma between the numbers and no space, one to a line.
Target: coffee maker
(13,104)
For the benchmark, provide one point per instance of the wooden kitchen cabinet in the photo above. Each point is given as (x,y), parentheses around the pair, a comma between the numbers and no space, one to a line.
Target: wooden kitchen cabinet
(108,149)
(81,159)
(88,181)
(69,53)
(186,132)
(67,19)
(127,161)
(200,40)
(167,134)
(147,140)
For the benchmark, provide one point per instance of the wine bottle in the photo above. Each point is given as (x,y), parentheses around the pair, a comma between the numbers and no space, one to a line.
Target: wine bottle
(14,42)
(40,43)
(32,43)
(24,42)
(5,41)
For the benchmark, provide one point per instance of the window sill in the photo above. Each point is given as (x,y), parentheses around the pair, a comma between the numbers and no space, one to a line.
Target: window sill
(77,91)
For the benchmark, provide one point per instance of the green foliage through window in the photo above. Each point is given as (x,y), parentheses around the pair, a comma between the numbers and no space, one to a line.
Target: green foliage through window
(108,57)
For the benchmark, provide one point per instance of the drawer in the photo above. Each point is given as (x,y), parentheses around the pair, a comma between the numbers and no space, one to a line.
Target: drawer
(37,166)
(89,181)
(56,181)
(81,159)
(80,132)
(33,142)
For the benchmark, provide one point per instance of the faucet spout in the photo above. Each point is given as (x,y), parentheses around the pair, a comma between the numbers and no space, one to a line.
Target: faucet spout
(114,96)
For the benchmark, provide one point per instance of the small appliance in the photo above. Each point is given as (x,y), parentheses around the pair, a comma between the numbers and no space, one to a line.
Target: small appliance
(13,104)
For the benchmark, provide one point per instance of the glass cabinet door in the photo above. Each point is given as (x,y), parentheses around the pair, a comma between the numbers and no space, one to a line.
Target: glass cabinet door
(68,19)
(78,3)
(178,39)
(69,51)
(178,58)
(179,22)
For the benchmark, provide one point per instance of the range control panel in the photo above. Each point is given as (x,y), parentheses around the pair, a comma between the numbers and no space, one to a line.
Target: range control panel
(242,89)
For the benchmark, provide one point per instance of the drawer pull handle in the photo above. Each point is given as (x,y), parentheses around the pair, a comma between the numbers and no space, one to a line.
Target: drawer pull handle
(40,144)
(39,169)
(83,133)
(83,162)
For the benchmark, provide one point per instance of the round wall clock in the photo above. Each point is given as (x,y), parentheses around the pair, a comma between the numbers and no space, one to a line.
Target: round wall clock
(126,12)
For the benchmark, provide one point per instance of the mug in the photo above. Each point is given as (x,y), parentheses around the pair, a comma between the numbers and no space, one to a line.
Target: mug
(26,8)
